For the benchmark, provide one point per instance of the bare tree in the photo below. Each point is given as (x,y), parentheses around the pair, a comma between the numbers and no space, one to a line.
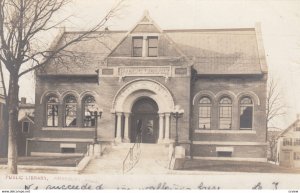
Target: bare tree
(275,107)
(21,24)
(275,104)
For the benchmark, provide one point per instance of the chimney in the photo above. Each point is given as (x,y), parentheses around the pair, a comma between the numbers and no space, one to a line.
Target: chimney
(23,100)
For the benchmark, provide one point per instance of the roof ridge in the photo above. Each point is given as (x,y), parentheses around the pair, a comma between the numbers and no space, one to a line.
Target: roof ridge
(210,29)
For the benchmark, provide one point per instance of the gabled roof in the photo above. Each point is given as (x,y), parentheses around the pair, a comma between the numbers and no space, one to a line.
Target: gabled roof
(146,25)
(209,51)
(27,117)
(293,125)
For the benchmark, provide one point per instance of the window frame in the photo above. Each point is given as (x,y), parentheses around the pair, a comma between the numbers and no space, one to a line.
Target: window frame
(47,103)
(296,142)
(149,47)
(84,111)
(222,105)
(76,110)
(133,47)
(246,105)
(207,105)
(287,142)
(27,128)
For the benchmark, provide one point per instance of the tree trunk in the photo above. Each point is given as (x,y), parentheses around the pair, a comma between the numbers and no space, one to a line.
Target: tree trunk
(13,110)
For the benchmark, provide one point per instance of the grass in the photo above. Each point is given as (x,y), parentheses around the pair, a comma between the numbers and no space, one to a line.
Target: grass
(69,161)
(236,166)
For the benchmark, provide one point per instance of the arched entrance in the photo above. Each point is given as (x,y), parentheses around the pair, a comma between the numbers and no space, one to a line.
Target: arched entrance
(145,110)
(131,98)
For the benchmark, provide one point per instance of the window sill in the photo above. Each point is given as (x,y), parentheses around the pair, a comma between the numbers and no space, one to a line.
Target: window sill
(226,131)
(68,129)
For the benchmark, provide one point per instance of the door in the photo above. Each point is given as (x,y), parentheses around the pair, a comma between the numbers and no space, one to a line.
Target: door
(145,121)
(148,128)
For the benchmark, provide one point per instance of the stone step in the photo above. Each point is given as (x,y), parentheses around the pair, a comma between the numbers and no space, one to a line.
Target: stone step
(154,157)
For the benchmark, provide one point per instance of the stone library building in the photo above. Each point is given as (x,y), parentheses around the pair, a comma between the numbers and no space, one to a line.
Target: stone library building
(204,89)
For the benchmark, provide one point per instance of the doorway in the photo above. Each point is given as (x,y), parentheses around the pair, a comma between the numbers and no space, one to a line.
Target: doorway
(144,120)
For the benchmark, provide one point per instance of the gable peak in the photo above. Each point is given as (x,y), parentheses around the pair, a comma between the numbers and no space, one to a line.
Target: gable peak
(146,17)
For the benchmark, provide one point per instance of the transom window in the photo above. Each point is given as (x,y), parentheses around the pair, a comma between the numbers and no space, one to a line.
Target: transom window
(89,119)
(137,46)
(204,113)
(152,46)
(246,113)
(225,113)
(52,111)
(70,111)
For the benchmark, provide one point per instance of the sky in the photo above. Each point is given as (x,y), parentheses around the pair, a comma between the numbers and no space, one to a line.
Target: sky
(279,19)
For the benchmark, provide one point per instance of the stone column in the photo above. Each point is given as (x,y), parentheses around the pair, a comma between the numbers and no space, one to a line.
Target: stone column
(119,124)
(126,127)
(145,47)
(167,127)
(161,128)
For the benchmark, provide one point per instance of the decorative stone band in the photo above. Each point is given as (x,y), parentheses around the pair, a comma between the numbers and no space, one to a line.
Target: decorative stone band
(228,143)
(150,71)
(144,71)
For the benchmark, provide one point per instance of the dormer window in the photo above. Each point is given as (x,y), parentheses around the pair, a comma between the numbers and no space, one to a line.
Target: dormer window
(152,46)
(145,46)
(137,46)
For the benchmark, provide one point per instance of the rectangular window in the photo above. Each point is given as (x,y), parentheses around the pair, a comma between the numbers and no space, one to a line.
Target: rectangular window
(296,141)
(296,155)
(25,127)
(67,150)
(287,141)
(137,46)
(224,153)
(246,117)
(225,117)
(152,46)
(204,117)
(297,129)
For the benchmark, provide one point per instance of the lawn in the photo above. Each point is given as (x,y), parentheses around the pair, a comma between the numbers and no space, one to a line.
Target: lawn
(236,166)
(69,161)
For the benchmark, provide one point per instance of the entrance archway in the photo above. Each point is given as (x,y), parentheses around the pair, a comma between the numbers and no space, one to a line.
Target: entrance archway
(128,97)
(144,110)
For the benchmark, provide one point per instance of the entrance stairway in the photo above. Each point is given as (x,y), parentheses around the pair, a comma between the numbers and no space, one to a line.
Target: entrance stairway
(153,160)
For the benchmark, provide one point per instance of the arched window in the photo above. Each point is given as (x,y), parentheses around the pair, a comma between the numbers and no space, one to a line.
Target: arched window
(52,111)
(246,113)
(70,111)
(88,118)
(225,113)
(204,113)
